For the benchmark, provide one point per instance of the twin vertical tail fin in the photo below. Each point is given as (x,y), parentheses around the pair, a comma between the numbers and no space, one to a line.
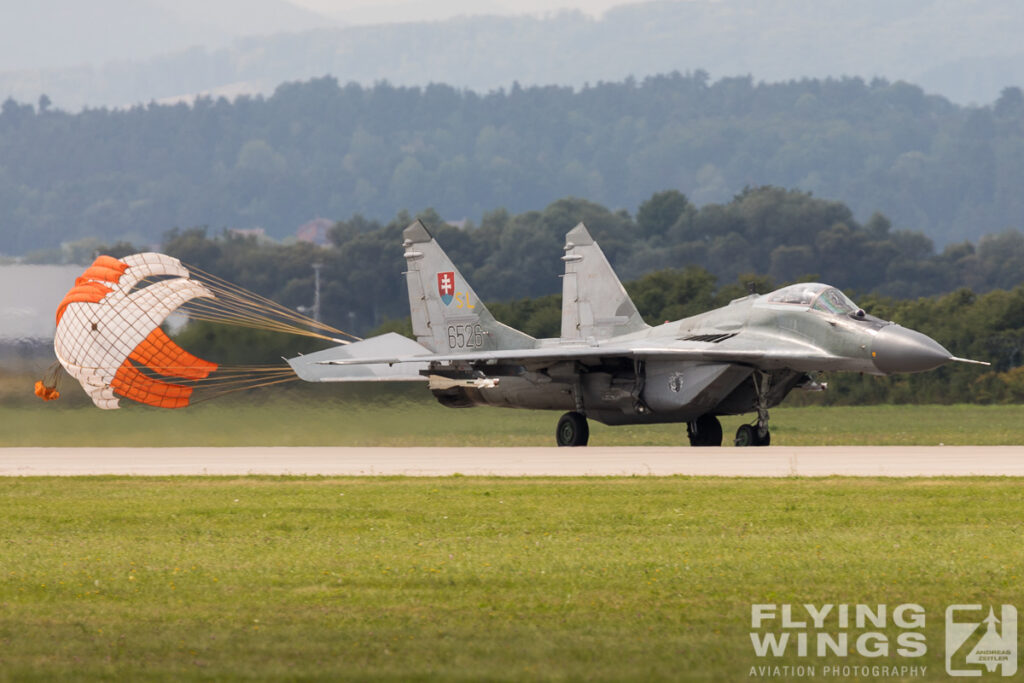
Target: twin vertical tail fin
(595,305)
(447,315)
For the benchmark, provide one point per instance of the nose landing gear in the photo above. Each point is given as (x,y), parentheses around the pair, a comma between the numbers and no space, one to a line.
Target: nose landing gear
(757,434)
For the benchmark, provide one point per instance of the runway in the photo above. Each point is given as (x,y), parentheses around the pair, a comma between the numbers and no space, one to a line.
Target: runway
(775,461)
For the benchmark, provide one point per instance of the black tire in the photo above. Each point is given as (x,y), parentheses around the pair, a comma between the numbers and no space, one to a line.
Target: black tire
(706,430)
(765,440)
(572,430)
(746,436)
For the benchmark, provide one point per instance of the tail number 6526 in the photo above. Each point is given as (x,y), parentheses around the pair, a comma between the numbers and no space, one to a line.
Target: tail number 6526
(468,336)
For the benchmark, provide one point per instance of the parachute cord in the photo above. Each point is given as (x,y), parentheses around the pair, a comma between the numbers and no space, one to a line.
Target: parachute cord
(225,376)
(248,307)
(246,311)
(204,314)
(219,379)
(227,307)
(53,375)
(244,379)
(229,369)
(241,309)
(48,388)
(293,378)
(251,300)
(234,305)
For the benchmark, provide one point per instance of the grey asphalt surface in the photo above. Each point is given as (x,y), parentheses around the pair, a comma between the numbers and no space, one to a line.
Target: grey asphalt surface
(775,461)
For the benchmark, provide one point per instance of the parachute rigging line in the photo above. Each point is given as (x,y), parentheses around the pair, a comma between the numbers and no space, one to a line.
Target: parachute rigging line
(238,305)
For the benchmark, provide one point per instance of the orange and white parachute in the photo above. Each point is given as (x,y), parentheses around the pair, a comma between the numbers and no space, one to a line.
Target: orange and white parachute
(106,331)
(109,337)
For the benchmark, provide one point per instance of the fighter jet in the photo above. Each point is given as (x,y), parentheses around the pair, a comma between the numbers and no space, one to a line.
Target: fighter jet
(608,364)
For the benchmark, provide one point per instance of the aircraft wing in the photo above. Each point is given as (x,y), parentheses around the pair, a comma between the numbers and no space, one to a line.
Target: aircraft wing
(779,356)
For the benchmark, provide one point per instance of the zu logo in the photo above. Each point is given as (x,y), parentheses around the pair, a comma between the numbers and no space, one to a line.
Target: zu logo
(976,642)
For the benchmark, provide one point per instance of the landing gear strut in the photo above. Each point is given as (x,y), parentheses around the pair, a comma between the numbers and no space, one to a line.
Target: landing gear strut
(572,430)
(706,430)
(757,434)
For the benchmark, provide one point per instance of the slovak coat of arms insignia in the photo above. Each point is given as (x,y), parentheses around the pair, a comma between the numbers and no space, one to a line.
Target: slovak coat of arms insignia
(446,286)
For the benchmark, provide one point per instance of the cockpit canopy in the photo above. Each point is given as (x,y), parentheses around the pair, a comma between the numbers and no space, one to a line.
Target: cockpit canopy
(820,297)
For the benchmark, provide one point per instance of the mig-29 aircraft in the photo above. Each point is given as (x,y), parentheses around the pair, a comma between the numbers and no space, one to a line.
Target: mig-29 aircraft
(611,366)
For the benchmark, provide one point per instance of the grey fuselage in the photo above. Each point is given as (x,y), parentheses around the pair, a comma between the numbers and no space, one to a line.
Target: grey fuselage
(618,390)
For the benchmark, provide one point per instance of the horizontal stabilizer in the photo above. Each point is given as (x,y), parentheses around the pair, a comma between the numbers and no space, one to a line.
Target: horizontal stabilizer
(353,362)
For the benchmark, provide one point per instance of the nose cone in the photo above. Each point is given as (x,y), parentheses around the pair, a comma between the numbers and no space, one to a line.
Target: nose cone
(897,349)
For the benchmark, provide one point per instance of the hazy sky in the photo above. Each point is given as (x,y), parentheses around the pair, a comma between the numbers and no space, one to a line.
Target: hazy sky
(362,11)
(121,52)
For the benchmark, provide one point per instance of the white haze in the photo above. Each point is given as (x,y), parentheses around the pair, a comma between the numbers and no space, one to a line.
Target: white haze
(123,52)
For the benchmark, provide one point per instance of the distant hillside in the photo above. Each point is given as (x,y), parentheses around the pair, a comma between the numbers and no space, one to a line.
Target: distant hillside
(966,51)
(320,149)
(56,34)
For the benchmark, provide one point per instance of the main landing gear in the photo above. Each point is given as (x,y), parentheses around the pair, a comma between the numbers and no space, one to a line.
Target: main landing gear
(706,430)
(572,430)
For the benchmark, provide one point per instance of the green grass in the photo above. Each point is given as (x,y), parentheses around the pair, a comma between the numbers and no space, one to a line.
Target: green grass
(472,579)
(401,420)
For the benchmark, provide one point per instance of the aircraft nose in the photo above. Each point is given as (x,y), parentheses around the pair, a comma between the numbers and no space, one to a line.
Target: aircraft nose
(898,349)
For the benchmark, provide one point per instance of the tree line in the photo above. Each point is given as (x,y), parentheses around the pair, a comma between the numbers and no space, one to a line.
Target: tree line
(320,148)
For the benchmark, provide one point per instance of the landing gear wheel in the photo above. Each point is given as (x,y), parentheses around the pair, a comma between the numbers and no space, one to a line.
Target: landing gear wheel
(746,436)
(750,435)
(706,430)
(572,430)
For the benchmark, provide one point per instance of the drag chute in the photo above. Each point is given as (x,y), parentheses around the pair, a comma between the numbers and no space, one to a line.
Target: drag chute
(109,334)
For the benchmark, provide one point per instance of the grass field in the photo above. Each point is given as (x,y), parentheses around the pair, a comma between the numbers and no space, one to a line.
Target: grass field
(402,419)
(472,579)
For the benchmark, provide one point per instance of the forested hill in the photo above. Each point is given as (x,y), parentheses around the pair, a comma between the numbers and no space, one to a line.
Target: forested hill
(320,149)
